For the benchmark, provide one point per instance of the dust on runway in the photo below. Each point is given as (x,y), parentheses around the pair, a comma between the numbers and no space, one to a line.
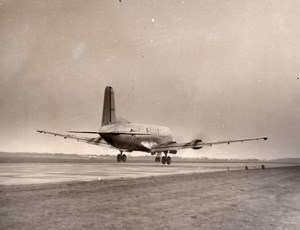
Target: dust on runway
(255,199)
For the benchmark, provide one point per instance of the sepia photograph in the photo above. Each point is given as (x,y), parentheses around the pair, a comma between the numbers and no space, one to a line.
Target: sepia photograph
(126,114)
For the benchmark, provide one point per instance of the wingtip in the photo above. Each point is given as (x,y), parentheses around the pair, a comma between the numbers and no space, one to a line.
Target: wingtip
(40,131)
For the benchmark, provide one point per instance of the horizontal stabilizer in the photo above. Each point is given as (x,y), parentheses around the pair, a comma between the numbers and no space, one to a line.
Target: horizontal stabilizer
(111,132)
(87,132)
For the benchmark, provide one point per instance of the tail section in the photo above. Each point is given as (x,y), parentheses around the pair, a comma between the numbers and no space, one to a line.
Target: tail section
(109,109)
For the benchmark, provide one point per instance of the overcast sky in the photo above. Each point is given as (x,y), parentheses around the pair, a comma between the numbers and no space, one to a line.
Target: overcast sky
(205,68)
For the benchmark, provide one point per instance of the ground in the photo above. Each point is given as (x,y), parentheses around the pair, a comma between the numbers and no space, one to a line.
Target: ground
(254,199)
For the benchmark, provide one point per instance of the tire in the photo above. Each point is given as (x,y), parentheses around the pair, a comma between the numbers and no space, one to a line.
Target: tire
(119,157)
(169,159)
(124,158)
(163,160)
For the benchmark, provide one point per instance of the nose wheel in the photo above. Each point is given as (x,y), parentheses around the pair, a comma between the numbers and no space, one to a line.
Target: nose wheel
(121,157)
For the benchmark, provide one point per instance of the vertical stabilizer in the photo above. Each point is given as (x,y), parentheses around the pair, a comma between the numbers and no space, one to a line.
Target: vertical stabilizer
(109,111)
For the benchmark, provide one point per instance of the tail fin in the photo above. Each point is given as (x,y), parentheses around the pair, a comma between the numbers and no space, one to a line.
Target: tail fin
(109,111)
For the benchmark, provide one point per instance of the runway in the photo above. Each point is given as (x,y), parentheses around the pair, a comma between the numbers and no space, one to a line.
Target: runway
(40,173)
(238,199)
(36,173)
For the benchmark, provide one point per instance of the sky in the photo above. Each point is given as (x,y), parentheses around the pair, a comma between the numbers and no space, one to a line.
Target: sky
(208,69)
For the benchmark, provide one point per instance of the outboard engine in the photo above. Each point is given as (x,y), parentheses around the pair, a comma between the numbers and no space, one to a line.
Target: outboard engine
(173,151)
(195,142)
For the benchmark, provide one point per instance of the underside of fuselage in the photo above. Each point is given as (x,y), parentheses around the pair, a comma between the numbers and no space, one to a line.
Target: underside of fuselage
(127,142)
(133,137)
(124,142)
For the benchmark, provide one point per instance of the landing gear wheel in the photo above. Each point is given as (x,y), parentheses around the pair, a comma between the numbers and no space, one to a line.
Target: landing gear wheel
(124,158)
(119,157)
(157,159)
(163,160)
(169,160)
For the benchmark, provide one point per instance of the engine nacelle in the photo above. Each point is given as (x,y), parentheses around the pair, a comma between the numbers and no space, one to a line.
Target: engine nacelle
(173,151)
(195,142)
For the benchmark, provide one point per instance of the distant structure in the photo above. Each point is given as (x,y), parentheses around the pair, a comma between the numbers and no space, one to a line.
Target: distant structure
(263,167)
(246,167)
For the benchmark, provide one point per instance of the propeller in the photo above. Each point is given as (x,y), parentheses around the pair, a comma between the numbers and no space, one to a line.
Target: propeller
(201,137)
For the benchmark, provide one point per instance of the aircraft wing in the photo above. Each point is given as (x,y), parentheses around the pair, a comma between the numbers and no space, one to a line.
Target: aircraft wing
(93,141)
(196,144)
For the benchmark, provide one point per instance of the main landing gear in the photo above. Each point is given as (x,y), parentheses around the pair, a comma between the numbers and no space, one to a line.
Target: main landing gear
(157,159)
(121,157)
(164,160)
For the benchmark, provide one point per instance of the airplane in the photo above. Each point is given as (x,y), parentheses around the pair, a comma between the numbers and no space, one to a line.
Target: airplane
(118,133)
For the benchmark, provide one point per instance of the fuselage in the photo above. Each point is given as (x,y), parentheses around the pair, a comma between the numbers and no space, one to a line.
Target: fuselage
(135,137)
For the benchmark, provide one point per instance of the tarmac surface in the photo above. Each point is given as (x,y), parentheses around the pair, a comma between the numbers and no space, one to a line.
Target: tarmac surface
(39,173)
